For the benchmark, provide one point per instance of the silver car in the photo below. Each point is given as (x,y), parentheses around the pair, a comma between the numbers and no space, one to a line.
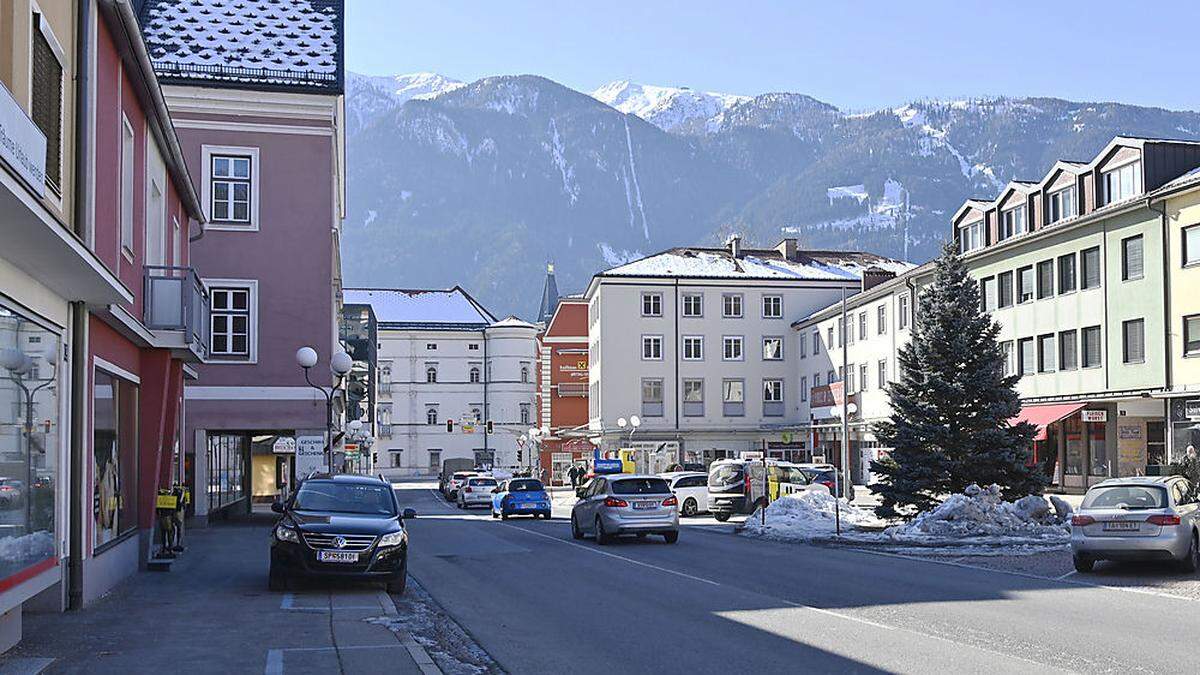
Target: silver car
(475,491)
(610,506)
(1143,518)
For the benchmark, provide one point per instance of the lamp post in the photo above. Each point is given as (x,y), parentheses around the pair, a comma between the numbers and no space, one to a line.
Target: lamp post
(633,423)
(19,365)
(340,364)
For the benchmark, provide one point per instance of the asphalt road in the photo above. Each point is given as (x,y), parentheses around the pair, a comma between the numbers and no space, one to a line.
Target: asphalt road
(540,602)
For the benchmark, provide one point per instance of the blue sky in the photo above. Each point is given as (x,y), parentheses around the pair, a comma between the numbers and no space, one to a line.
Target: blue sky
(855,54)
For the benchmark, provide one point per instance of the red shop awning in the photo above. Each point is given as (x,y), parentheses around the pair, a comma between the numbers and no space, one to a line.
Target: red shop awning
(1042,416)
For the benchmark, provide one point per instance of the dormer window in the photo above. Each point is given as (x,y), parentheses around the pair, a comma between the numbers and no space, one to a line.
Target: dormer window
(970,236)
(1121,183)
(1060,205)
(1012,222)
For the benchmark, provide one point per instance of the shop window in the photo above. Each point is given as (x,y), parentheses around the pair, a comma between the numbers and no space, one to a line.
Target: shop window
(226,460)
(1073,429)
(114,456)
(30,429)
(1156,443)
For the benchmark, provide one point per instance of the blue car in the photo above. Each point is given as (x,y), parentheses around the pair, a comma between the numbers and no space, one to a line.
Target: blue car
(520,497)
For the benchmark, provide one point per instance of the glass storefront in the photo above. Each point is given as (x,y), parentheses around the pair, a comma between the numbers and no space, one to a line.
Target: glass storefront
(227,458)
(1185,426)
(114,457)
(29,440)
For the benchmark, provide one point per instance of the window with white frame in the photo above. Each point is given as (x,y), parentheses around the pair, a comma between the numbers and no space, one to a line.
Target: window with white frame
(851,380)
(46,100)
(524,413)
(733,397)
(693,398)
(804,388)
(1012,222)
(731,348)
(693,347)
(232,313)
(431,416)
(1133,340)
(651,347)
(816,341)
(1026,356)
(881,319)
(524,374)
(731,305)
(652,397)
(863,383)
(772,398)
(772,306)
(883,373)
(1191,245)
(431,372)
(1060,205)
(230,186)
(651,304)
(127,152)
(970,236)
(473,374)
(803,346)
(862,326)
(772,348)
(905,310)
(1121,183)
(1006,354)
(1191,335)
(693,305)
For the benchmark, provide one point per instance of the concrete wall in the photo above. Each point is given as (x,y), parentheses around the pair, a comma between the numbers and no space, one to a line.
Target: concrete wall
(1182,211)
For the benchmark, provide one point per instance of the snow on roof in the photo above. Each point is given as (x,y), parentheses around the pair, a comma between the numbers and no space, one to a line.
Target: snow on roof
(277,42)
(757,264)
(513,322)
(1188,178)
(420,307)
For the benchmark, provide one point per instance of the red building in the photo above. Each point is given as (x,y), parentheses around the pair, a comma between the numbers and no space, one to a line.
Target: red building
(563,387)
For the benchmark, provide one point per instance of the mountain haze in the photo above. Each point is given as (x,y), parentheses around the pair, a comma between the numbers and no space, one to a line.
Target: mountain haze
(480,184)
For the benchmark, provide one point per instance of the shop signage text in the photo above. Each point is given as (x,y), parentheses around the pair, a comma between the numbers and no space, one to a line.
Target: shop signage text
(22,144)
(1094,415)
(284,445)
(310,454)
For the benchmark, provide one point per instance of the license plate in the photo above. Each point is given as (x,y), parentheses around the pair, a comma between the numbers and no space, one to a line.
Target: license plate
(528,506)
(337,556)
(1121,526)
(642,506)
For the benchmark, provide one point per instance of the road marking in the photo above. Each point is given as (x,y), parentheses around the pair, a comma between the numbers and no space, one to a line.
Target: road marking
(618,557)
(837,614)
(274,662)
(1064,576)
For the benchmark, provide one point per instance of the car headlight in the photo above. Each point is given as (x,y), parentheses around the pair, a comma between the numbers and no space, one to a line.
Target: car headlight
(392,539)
(284,533)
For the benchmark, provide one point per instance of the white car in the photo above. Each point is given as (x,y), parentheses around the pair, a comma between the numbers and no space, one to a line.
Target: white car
(691,487)
(476,491)
(456,481)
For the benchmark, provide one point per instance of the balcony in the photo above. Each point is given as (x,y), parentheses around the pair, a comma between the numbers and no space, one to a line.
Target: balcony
(175,308)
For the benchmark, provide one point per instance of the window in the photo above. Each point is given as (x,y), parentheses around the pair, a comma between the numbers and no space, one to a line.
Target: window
(803,346)
(476,415)
(651,304)
(829,343)
(881,319)
(652,397)
(816,379)
(227,456)
(862,326)
(904,309)
(1012,222)
(1091,347)
(772,398)
(1005,282)
(731,305)
(1121,183)
(772,306)
(1132,263)
(1191,335)
(127,151)
(970,236)
(733,398)
(431,346)
(230,188)
(1068,350)
(1060,205)
(693,398)
(883,378)
(804,388)
(1025,284)
(693,348)
(46,106)
(1045,279)
(397,458)
(431,416)
(473,347)
(693,305)
(1006,353)
(1133,341)
(987,294)
(816,341)
(524,374)
(473,375)
(1026,356)
(1046,353)
(772,349)
(1191,245)
(832,377)
(1091,267)
(731,348)
(431,372)
(1066,273)
(524,414)
(863,383)
(651,347)
(230,322)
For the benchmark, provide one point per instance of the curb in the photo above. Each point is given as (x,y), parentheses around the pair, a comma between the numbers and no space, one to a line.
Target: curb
(415,650)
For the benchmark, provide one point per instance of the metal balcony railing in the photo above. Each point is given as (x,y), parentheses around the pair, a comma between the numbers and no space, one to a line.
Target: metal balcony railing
(176,300)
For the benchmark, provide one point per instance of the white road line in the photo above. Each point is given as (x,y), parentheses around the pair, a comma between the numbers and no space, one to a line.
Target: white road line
(1064,576)
(838,614)
(286,602)
(274,662)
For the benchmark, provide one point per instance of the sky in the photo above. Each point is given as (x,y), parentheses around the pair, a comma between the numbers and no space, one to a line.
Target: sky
(855,54)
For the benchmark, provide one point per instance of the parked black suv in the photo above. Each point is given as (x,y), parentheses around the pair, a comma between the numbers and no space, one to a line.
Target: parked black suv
(340,526)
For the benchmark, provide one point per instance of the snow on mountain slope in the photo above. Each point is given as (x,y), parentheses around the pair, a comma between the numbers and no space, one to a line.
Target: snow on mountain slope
(402,88)
(673,109)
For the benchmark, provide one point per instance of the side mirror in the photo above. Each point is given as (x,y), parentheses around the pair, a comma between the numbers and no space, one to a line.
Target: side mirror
(277,506)
(409,513)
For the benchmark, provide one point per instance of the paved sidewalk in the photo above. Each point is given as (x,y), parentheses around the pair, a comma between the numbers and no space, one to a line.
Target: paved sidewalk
(213,613)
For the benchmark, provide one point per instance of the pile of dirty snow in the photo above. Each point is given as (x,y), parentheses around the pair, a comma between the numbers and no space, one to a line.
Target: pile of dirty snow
(980,515)
(807,515)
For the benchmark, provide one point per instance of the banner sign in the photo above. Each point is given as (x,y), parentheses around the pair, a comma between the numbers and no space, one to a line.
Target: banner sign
(1094,415)
(310,454)
(284,445)
(603,466)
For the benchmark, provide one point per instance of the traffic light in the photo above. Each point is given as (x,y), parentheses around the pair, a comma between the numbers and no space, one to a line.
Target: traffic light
(449,426)
(520,456)
(489,426)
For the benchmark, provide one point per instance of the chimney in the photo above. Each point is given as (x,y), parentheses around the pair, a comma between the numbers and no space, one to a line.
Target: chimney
(873,276)
(735,245)
(787,248)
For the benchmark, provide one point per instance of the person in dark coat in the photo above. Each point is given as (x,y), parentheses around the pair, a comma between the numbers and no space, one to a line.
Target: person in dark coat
(573,476)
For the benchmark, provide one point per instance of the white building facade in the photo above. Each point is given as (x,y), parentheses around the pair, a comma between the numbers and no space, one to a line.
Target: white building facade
(697,342)
(449,372)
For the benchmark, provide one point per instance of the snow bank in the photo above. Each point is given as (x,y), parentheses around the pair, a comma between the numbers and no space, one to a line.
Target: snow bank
(806,515)
(980,516)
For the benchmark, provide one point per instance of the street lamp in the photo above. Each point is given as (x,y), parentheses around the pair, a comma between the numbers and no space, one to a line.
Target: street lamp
(20,365)
(340,364)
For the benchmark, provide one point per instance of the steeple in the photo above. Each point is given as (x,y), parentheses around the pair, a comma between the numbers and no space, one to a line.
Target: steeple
(549,296)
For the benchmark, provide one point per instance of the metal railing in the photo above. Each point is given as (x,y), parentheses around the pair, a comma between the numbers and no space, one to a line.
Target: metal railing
(218,71)
(175,299)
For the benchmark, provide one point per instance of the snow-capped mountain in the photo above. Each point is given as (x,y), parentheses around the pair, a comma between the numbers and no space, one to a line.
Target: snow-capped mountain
(672,109)
(481,183)
(375,94)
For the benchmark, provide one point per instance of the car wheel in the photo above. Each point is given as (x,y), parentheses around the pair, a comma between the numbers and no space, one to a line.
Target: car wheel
(1192,561)
(671,537)
(689,507)
(546,515)
(602,537)
(397,585)
(1083,563)
(721,517)
(504,515)
(576,533)
(276,580)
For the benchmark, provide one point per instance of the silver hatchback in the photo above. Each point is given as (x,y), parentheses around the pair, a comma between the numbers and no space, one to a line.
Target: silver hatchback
(1143,518)
(610,506)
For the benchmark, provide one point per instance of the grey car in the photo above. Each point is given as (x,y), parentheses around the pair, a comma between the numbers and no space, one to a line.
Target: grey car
(1142,518)
(614,505)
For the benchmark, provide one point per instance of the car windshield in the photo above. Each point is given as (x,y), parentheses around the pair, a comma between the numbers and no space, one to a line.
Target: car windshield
(526,485)
(483,482)
(1125,497)
(726,473)
(640,486)
(345,498)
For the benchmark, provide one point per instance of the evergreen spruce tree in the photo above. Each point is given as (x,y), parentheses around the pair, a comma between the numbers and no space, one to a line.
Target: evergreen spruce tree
(951,404)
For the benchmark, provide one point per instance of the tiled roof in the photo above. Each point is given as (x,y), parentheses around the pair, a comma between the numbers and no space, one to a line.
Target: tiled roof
(420,307)
(277,43)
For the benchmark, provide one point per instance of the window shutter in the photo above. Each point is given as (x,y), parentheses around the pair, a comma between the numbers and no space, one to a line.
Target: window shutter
(1133,258)
(47,103)
(1092,346)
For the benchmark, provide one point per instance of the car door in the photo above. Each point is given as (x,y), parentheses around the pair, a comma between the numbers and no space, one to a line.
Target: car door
(689,487)
(591,501)
(1186,504)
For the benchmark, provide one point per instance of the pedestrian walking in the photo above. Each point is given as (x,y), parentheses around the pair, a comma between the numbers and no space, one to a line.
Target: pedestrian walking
(573,476)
